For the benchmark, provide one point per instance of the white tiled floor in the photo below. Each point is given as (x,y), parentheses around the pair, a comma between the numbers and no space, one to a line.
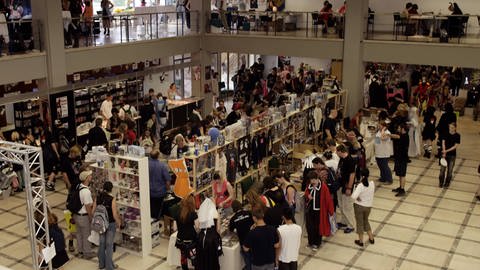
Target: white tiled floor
(430,228)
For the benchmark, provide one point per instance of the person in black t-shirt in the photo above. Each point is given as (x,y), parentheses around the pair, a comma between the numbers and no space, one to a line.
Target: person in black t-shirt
(329,126)
(346,175)
(400,154)
(241,222)
(450,142)
(187,224)
(262,242)
(96,135)
(71,167)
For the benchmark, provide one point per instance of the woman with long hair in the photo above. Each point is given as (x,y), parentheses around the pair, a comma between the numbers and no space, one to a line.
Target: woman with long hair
(187,224)
(363,201)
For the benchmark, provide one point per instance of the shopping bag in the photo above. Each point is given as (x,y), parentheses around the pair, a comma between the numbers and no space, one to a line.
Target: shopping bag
(94,238)
(71,227)
(332,219)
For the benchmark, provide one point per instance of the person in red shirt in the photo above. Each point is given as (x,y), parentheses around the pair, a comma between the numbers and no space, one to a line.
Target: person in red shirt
(343,8)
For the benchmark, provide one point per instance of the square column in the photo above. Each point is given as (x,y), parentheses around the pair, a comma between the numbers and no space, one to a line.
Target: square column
(353,65)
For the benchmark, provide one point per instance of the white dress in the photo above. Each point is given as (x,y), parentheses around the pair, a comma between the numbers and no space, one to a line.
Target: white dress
(414,133)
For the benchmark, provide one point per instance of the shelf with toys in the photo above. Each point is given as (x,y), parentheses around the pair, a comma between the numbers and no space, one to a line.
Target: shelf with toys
(129,176)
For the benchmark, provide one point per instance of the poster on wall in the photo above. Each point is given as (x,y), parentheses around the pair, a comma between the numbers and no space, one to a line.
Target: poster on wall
(62,107)
(208,73)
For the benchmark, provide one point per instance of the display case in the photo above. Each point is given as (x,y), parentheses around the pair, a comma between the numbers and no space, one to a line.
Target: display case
(129,176)
(200,162)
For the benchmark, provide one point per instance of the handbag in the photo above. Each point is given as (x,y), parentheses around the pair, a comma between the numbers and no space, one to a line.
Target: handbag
(188,246)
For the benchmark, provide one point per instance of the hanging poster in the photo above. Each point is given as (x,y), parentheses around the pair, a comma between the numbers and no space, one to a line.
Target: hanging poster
(182,183)
(62,107)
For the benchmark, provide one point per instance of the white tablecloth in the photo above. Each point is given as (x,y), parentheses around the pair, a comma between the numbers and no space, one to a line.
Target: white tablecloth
(231,259)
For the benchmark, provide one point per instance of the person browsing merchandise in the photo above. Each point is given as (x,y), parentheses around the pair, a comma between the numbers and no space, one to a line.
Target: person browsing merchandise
(262,241)
(241,222)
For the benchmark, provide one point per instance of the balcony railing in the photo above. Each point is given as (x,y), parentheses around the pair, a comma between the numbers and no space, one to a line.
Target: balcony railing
(293,24)
(20,37)
(427,27)
(125,28)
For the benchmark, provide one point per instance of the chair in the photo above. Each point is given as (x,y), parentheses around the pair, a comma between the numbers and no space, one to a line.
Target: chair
(315,22)
(370,23)
(398,24)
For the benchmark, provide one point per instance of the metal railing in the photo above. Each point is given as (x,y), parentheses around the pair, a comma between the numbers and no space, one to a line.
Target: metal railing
(297,24)
(427,27)
(20,37)
(130,27)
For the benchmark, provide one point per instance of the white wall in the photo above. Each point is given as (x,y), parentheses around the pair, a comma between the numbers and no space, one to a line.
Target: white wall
(314,63)
(153,81)
(310,5)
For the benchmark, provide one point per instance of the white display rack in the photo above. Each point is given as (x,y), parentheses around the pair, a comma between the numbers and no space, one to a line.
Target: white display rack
(130,179)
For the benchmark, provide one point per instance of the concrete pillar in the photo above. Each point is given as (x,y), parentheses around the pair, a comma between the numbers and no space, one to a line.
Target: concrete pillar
(199,17)
(47,16)
(353,65)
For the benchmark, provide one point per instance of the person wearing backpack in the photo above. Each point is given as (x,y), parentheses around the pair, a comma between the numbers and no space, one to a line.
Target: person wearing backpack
(83,216)
(105,250)
(127,112)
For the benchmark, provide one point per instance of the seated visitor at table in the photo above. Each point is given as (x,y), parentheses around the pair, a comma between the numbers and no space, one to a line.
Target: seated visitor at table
(406,12)
(172,91)
(179,147)
(454,22)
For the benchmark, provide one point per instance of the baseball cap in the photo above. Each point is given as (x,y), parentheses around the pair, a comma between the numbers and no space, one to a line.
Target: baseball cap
(84,175)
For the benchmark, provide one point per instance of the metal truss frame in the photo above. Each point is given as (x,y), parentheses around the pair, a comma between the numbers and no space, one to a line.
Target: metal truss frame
(31,159)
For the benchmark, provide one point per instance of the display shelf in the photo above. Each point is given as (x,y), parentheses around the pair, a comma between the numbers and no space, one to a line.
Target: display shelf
(124,171)
(88,100)
(25,113)
(123,203)
(133,203)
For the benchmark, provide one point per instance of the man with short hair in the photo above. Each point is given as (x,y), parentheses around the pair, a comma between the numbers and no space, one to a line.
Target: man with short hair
(159,178)
(241,222)
(106,107)
(346,175)
(84,216)
(330,125)
(290,236)
(96,135)
(262,242)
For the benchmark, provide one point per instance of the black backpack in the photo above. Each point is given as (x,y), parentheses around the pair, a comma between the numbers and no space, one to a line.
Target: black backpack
(165,146)
(74,204)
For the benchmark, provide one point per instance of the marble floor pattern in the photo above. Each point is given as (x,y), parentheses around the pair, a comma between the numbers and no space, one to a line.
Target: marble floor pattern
(429,228)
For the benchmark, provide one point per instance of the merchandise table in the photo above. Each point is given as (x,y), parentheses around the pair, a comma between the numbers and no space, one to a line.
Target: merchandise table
(231,258)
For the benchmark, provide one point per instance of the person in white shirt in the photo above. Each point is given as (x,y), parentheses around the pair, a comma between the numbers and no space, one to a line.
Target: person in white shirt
(106,107)
(363,202)
(84,216)
(290,237)
(127,112)
(383,150)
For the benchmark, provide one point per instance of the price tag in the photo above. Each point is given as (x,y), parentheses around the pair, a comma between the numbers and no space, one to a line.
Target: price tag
(76,77)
